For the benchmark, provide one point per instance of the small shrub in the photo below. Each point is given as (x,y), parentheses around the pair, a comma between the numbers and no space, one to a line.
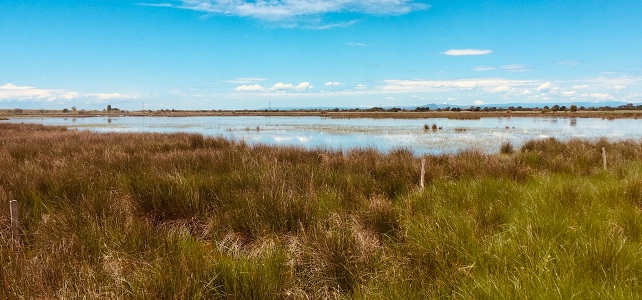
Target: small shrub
(507,148)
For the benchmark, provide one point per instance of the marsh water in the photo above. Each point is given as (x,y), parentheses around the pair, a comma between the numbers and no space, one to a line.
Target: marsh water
(486,134)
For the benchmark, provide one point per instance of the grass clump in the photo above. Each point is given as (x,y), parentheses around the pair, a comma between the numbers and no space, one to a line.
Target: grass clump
(158,216)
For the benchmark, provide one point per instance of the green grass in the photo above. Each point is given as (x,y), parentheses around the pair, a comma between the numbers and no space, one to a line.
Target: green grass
(182,216)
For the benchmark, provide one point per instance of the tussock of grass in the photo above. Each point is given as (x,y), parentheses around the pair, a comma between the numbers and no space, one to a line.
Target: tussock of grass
(159,216)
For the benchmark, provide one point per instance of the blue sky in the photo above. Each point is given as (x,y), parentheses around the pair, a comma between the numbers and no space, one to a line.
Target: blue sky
(235,54)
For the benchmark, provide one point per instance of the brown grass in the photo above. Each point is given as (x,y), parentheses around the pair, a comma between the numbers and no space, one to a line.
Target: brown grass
(183,216)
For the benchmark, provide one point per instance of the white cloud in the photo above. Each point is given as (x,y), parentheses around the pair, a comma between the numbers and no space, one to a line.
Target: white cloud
(357,44)
(288,86)
(526,92)
(481,69)
(514,68)
(332,83)
(479,102)
(450,85)
(316,26)
(155,4)
(275,10)
(303,86)
(568,93)
(466,52)
(502,88)
(11,91)
(568,63)
(11,86)
(619,87)
(109,96)
(580,87)
(282,86)
(601,96)
(544,87)
(249,88)
(246,80)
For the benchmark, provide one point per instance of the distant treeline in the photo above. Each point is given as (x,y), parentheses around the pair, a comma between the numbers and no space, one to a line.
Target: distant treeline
(546,108)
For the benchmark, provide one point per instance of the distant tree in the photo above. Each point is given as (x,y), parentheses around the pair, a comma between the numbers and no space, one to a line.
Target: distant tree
(555,107)
(73,108)
(573,108)
(65,110)
(109,107)
(562,108)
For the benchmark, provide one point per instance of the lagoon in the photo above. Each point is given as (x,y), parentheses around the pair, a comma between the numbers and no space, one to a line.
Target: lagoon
(485,134)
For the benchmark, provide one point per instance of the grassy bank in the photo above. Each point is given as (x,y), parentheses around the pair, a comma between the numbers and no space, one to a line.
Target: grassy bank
(181,216)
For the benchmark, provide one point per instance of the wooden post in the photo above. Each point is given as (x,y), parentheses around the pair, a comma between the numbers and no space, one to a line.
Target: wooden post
(423,172)
(13,208)
(604,157)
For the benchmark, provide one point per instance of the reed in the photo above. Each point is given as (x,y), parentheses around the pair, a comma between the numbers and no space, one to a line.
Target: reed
(183,216)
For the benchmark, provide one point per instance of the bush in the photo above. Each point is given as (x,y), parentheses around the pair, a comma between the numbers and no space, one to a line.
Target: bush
(507,148)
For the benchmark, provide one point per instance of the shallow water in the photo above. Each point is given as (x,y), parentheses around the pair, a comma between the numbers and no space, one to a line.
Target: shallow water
(486,134)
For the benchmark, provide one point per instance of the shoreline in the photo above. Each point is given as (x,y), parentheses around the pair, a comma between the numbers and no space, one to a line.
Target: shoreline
(615,114)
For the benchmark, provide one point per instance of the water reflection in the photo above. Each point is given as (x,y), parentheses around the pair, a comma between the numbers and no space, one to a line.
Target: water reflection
(486,134)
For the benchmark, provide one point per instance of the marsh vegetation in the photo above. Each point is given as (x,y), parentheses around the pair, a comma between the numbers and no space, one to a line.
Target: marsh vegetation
(183,216)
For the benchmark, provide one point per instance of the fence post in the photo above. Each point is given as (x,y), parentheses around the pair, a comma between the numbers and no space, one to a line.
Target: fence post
(13,208)
(423,172)
(604,157)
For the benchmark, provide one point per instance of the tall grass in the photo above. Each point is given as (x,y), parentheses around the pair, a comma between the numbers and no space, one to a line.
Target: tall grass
(183,216)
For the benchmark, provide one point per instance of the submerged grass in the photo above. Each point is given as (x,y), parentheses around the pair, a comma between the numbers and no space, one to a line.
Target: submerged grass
(183,216)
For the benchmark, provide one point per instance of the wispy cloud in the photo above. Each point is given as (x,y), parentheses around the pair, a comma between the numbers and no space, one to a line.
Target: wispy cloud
(280,10)
(544,87)
(279,87)
(514,68)
(490,84)
(332,83)
(10,91)
(502,88)
(326,26)
(357,44)
(570,63)
(466,52)
(250,88)
(246,80)
(13,92)
(109,96)
(482,68)
(156,4)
